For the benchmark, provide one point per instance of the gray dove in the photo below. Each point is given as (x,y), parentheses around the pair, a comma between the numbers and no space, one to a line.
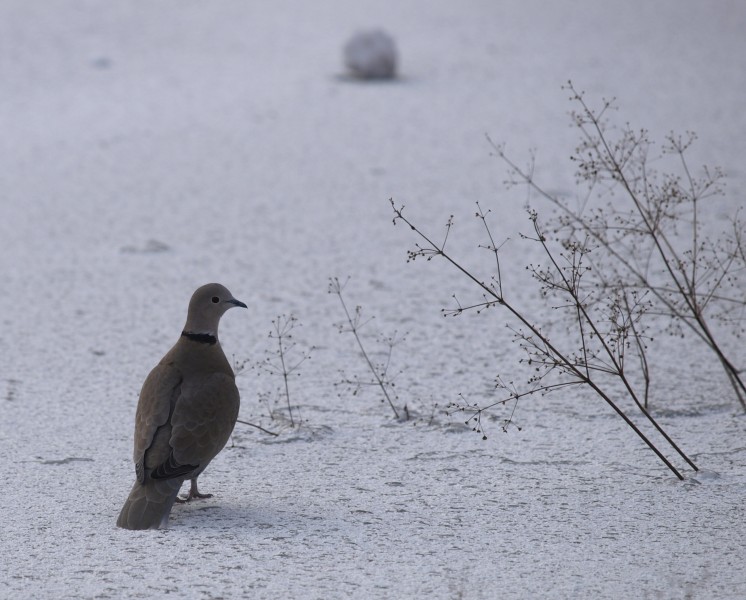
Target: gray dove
(187,409)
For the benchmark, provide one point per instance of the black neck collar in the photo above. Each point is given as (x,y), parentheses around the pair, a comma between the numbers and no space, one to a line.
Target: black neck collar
(200,338)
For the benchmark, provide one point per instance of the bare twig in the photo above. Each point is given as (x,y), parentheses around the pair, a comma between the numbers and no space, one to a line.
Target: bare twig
(563,276)
(645,241)
(259,427)
(279,362)
(380,374)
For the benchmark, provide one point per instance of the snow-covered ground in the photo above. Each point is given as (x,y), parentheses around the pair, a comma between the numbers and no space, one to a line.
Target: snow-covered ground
(148,148)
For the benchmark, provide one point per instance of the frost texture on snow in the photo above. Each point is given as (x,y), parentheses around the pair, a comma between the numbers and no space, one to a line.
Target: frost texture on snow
(219,131)
(371,55)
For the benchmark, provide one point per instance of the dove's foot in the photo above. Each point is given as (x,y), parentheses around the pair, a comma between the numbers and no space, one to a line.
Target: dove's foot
(190,496)
(193,493)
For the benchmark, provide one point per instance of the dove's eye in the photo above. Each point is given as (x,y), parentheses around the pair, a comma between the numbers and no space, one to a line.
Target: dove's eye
(215,299)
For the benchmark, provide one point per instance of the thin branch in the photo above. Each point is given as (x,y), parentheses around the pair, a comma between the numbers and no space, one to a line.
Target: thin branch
(556,356)
(259,427)
(336,288)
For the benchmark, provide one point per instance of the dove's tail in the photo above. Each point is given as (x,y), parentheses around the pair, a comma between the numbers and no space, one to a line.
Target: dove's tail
(149,504)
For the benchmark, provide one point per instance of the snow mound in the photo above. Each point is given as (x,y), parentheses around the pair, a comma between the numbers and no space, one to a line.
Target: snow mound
(371,55)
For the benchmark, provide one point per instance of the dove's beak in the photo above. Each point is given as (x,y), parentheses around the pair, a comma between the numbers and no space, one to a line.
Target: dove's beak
(236,303)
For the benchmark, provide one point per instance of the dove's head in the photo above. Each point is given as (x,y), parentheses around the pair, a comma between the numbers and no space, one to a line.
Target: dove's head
(206,307)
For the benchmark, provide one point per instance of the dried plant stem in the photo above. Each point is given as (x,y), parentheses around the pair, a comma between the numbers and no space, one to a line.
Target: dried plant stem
(618,368)
(580,371)
(259,427)
(684,283)
(336,288)
(285,373)
(278,362)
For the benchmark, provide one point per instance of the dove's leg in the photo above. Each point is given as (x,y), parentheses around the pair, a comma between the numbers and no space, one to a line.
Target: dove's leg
(193,493)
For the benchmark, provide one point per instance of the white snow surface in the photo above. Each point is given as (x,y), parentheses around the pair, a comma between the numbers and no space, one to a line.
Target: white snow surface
(148,148)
